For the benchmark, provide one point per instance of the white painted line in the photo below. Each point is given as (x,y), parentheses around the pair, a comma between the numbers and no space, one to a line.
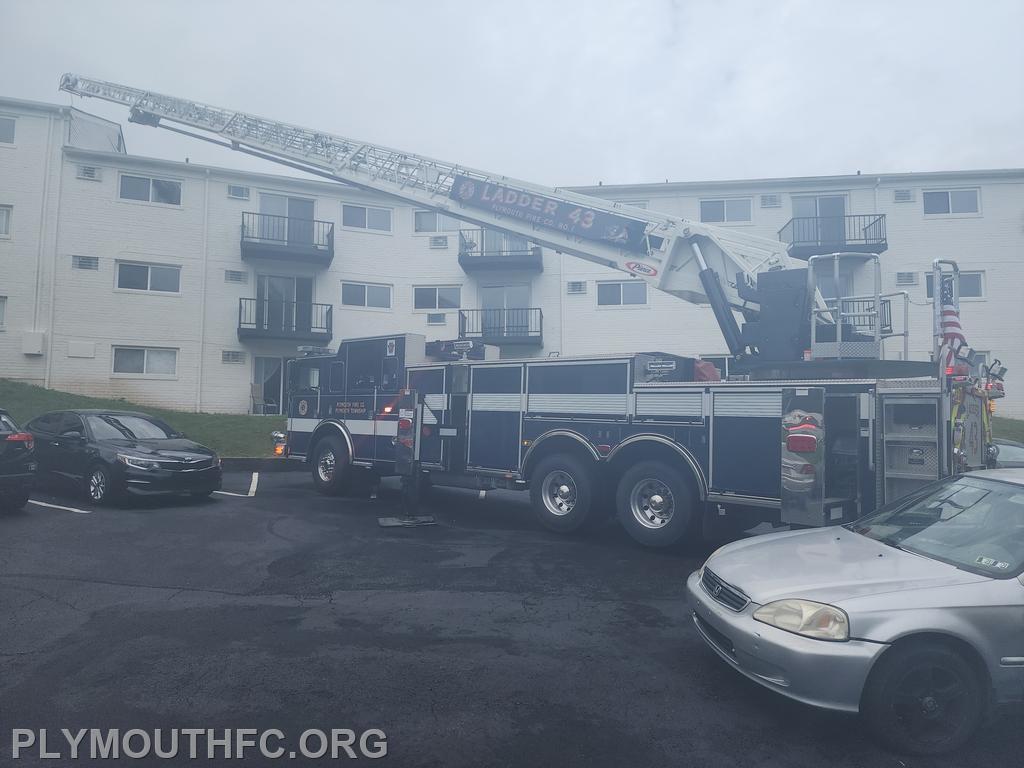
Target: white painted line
(58,506)
(252,488)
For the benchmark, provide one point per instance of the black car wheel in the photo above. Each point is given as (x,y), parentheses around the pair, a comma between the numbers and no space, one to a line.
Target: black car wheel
(98,485)
(923,699)
(14,501)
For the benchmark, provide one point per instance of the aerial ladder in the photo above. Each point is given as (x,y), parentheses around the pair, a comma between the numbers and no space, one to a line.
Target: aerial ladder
(693,261)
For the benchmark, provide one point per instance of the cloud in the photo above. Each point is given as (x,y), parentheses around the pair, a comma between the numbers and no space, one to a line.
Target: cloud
(570,92)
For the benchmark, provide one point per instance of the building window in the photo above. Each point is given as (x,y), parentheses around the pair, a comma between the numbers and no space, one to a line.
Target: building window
(148,277)
(366,295)
(7,130)
(85,262)
(3,311)
(232,356)
(150,190)
(771,201)
(972,285)
(948,202)
(6,214)
(145,361)
(632,292)
(238,193)
(437,297)
(432,221)
(236,276)
(366,217)
(735,209)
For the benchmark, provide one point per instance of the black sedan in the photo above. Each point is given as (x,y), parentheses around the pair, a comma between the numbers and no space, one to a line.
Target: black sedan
(113,453)
(17,464)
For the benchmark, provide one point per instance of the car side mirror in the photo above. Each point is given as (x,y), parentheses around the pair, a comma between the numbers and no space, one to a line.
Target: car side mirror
(74,435)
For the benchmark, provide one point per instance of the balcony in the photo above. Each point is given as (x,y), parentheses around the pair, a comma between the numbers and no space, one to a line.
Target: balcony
(503,326)
(286,238)
(287,320)
(814,235)
(485,249)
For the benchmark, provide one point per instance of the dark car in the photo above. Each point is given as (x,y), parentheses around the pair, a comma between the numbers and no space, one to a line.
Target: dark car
(17,464)
(1011,453)
(112,453)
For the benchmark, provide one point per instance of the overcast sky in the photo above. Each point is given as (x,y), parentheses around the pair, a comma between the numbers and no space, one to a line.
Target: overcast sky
(564,92)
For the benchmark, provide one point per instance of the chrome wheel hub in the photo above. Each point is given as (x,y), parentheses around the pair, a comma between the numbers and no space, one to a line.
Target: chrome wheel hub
(325,466)
(97,486)
(559,491)
(652,503)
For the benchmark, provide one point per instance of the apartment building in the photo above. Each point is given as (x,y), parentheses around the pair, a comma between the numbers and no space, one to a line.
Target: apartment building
(189,286)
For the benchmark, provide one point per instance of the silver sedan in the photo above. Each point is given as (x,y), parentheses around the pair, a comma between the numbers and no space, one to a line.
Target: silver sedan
(912,616)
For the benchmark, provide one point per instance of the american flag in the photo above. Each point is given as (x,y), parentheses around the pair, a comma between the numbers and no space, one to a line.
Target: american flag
(952,332)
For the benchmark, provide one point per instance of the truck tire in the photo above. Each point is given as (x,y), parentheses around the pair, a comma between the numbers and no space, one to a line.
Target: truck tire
(561,492)
(655,503)
(923,699)
(330,465)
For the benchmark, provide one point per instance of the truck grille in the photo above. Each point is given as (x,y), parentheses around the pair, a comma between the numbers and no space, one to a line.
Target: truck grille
(726,594)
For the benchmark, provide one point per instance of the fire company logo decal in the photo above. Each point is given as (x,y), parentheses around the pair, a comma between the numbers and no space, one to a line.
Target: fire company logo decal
(639,268)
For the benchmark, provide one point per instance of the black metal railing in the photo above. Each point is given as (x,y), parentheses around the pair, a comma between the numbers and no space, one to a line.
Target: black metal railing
(487,242)
(835,232)
(273,318)
(287,231)
(498,325)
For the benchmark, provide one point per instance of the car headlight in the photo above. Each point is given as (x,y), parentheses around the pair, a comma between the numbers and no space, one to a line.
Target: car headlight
(807,618)
(215,461)
(136,462)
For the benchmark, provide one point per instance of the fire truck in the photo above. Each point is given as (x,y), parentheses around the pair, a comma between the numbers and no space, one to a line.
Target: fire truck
(812,427)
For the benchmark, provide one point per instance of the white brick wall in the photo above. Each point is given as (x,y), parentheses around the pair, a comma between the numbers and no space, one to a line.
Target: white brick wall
(202,237)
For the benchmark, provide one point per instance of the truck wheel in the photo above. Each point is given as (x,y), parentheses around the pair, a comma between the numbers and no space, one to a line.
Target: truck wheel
(923,699)
(561,492)
(655,504)
(330,467)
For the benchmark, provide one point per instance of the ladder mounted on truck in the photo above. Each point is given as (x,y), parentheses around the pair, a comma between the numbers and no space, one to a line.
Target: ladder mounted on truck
(695,262)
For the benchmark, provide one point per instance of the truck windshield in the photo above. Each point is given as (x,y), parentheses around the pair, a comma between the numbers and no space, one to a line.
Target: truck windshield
(969,522)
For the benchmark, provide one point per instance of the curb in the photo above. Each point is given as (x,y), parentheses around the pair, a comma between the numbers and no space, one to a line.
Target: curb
(268,464)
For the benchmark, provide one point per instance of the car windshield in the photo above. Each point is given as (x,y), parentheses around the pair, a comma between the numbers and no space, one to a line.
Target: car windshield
(118,426)
(975,524)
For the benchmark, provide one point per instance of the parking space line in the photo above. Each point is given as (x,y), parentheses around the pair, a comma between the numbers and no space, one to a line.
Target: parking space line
(252,488)
(58,506)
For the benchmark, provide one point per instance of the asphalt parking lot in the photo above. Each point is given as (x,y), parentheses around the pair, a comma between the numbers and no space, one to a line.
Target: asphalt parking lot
(479,641)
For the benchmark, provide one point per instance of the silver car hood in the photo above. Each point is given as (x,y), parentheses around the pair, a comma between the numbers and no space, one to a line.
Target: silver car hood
(828,565)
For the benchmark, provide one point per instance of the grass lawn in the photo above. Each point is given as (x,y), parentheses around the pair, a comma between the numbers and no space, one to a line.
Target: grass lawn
(228,434)
(1011,429)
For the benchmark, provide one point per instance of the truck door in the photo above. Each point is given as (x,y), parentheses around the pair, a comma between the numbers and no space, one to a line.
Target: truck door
(430,384)
(304,388)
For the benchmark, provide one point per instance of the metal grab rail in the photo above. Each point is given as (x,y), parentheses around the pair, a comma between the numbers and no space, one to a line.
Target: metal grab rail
(286,317)
(525,323)
(288,230)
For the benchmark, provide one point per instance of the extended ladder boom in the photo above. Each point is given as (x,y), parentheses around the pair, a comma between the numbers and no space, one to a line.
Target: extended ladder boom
(680,257)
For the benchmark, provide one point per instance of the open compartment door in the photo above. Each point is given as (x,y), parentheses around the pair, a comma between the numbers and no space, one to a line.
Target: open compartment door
(803,456)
